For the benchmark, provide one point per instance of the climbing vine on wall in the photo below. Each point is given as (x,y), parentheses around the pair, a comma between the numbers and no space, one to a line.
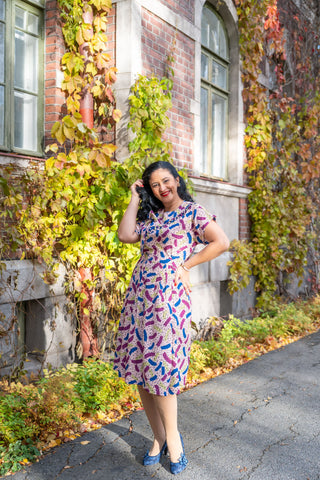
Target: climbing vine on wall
(282,144)
(72,212)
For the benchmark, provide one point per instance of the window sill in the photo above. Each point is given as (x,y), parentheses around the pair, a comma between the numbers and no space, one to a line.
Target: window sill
(214,186)
(19,159)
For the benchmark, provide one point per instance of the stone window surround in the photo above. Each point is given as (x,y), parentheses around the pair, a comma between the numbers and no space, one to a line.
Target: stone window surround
(129,65)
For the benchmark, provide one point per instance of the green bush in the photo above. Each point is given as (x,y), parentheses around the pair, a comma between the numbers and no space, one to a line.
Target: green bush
(16,455)
(14,417)
(282,321)
(57,402)
(95,386)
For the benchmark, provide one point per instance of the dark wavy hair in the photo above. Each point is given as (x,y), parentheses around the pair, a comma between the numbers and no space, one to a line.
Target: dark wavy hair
(148,200)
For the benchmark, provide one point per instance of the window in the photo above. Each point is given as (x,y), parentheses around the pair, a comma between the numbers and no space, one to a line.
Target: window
(214,94)
(21,76)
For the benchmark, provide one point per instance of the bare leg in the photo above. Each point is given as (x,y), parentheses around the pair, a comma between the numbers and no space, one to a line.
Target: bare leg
(168,411)
(153,415)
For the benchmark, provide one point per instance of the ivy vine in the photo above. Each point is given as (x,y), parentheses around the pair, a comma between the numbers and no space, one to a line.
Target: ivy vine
(283,146)
(70,211)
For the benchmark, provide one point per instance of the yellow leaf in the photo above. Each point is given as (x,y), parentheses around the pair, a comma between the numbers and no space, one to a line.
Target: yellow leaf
(68,132)
(92,155)
(73,157)
(85,442)
(110,75)
(79,37)
(102,60)
(87,32)
(55,128)
(116,115)
(90,68)
(109,148)
(60,135)
(102,160)
(50,163)
(81,170)
(100,23)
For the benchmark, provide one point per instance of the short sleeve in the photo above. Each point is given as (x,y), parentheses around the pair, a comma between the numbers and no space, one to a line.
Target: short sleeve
(201,219)
(139,227)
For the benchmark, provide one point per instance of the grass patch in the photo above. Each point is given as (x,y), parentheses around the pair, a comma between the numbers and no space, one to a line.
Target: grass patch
(70,401)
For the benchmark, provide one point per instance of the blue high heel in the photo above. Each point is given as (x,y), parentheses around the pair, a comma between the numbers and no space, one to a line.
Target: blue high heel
(180,465)
(153,459)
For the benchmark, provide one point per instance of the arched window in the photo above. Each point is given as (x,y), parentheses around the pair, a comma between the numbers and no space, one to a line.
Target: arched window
(214,94)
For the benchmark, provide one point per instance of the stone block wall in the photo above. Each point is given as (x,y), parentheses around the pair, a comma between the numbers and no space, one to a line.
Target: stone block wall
(35,317)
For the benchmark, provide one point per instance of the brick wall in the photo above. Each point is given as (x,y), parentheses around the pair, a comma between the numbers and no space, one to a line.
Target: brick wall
(185,8)
(54,49)
(111,34)
(244,220)
(157,40)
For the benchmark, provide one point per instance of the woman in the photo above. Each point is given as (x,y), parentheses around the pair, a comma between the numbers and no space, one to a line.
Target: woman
(154,336)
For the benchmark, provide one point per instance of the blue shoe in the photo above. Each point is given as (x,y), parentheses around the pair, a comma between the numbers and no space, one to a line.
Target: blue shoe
(153,459)
(180,465)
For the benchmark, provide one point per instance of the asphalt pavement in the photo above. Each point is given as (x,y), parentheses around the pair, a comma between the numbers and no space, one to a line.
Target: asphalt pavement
(259,422)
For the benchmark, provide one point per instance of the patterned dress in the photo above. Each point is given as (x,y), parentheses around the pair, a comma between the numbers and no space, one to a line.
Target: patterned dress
(154,336)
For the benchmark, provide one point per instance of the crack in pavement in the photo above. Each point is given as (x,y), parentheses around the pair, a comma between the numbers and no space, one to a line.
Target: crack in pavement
(264,403)
(195,450)
(67,466)
(102,444)
(279,442)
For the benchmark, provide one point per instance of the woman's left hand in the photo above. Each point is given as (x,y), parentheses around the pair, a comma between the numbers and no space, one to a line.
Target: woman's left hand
(183,276)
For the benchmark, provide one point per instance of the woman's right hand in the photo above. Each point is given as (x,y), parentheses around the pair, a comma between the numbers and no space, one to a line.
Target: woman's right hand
(134,193)
(127,228)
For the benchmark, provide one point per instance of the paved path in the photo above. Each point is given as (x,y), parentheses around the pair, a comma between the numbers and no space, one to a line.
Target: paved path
(258,422)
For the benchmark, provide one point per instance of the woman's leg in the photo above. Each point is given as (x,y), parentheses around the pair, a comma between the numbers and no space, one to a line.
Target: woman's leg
(162,413)
(167,408)
(159,433)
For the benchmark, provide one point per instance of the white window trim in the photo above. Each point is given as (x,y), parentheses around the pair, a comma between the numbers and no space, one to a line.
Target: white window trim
(235,149)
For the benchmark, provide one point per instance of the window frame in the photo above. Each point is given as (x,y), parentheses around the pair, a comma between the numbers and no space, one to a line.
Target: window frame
(224,93)
(36,8)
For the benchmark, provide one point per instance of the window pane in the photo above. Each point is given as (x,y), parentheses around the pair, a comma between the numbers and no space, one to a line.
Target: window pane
(1,115)
(219,75)
(218,135)
(213,35)
(33,24)
(2,10)
(204,66)
(204,129)
(2,37)
(223,45)
(20,17)
(209,30)
(26,62)
(27,21)
(25,123)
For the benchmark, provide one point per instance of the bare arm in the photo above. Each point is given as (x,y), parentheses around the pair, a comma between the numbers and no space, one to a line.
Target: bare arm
(218,243)
(127,227)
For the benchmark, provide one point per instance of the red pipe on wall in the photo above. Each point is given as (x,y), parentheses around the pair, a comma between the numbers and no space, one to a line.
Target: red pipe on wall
(86,102)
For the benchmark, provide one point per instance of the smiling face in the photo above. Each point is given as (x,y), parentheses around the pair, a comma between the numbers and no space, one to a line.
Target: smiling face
(165,188)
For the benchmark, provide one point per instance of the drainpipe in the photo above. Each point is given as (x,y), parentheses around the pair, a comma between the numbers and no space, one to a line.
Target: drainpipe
(87,337)
(86,102)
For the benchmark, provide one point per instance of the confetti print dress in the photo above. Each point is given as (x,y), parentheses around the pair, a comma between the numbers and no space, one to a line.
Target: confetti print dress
(154,335)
